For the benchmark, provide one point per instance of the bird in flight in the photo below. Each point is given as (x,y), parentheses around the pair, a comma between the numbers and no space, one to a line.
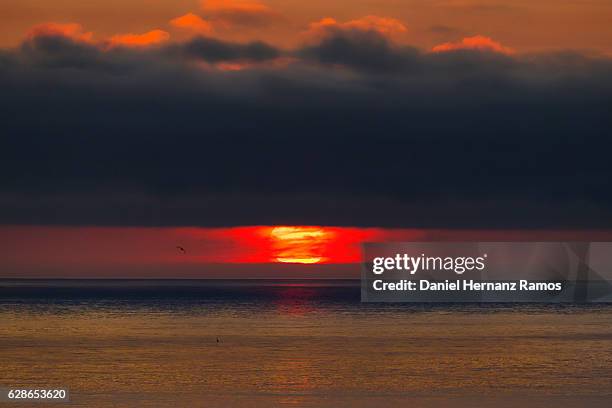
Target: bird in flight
(181,249)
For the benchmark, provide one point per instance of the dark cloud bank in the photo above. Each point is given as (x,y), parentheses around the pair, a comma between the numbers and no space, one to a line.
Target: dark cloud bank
(355,131)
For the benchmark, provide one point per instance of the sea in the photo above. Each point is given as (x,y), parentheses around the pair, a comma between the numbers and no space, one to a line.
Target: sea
(268,343)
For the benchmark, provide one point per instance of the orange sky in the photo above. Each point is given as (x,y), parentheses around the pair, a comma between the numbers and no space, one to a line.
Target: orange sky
(522,25)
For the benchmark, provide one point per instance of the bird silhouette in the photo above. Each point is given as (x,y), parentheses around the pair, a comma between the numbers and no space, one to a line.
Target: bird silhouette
(181,249)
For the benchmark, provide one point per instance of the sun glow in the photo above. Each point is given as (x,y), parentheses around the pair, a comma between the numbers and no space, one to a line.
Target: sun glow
(284,244)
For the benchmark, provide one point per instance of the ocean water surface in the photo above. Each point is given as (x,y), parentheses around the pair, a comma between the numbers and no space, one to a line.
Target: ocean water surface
(154,343)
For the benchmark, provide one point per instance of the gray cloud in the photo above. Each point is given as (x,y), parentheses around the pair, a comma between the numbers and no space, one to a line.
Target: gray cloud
(213,50)
(357,131)
(364,50)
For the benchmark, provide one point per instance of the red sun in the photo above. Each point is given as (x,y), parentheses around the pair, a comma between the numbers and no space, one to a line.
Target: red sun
(304,245)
